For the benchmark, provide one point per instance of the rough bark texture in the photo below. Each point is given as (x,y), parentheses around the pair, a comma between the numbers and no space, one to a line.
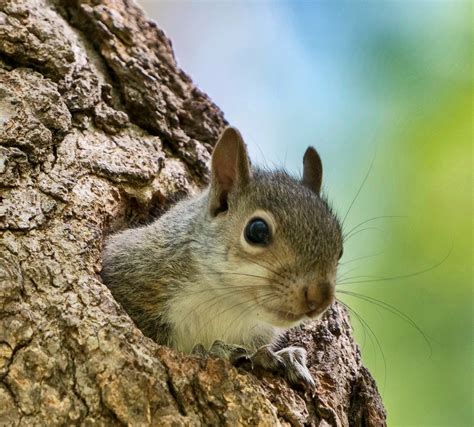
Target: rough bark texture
(100,129)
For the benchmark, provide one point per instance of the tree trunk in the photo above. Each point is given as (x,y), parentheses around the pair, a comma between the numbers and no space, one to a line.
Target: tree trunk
(100,130)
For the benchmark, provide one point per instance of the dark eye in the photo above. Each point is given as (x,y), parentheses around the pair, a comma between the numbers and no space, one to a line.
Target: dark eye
(341,253)
(257,232)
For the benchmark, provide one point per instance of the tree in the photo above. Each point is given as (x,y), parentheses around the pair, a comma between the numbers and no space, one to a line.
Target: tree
(101,130)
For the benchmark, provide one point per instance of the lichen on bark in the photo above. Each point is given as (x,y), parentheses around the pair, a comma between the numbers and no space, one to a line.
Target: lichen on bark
(100,129)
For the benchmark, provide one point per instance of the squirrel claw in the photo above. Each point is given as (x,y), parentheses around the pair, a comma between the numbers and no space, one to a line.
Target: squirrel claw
(242,361)
(228,351)
(289,362)
(296,371)
(268,360)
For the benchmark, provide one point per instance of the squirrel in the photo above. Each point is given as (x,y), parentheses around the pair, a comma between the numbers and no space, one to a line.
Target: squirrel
(226,272)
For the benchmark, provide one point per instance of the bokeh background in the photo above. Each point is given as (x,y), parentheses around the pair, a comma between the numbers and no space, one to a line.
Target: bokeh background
(382,82)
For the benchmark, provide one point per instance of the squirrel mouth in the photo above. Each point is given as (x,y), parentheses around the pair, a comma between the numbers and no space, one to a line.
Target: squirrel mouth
(288,316)
(293,317)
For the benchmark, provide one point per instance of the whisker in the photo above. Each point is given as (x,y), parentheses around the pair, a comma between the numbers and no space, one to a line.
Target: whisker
(372,219)
(264,266)
(402,276)
(368,276)
(276,258)
(234,322)
(360,188)
(264,299)
(395,311)
(245,302)
(261,264)
(361,319)
(359,258)
(232,273)
(216,300)
(225,288)
(236,273)
(345,273)
(364,329)
(355,233)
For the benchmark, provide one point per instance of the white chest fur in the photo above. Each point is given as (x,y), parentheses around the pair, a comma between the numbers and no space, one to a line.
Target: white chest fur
(202,315)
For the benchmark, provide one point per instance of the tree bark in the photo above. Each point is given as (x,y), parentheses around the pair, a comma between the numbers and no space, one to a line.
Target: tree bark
(101,130)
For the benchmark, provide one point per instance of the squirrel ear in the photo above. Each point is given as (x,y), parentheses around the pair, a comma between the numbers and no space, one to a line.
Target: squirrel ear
(230,167)
(312,170)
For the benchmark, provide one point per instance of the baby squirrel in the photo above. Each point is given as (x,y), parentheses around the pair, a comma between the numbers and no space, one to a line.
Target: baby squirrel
(229,270)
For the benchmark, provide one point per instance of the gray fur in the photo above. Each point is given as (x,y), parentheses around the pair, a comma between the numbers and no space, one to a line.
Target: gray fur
(192,259)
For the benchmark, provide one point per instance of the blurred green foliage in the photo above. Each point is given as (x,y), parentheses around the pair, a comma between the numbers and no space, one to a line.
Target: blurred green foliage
(423,170)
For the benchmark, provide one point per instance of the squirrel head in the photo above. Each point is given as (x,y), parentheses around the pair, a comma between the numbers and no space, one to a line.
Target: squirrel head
(278,240)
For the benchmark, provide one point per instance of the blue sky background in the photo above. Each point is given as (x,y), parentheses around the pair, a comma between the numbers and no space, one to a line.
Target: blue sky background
(358,79)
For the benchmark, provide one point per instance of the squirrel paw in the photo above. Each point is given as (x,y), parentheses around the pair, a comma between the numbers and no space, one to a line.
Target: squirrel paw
(237,354)
(199,350)
(295,370)
(289,362)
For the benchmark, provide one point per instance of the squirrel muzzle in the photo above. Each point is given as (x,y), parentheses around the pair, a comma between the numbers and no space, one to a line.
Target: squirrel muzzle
(317,297)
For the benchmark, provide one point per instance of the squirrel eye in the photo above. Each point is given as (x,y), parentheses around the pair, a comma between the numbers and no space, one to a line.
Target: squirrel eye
(341,253)
(257,232)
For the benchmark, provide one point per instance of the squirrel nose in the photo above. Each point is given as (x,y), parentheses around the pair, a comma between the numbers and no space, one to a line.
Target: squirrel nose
(318,296)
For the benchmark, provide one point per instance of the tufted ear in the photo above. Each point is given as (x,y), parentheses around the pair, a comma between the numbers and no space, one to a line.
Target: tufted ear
(230,167)
(312,170)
